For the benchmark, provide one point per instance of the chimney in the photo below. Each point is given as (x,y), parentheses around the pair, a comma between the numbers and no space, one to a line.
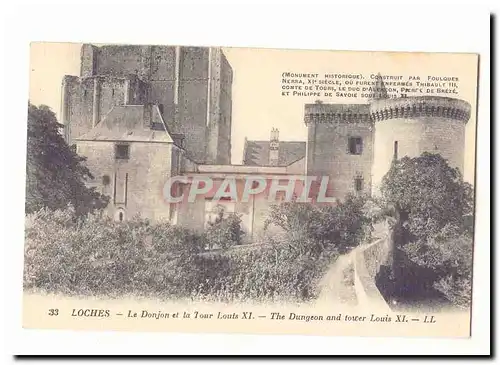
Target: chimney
(274,147)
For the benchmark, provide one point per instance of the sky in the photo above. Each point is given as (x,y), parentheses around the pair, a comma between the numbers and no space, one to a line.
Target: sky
(258,105)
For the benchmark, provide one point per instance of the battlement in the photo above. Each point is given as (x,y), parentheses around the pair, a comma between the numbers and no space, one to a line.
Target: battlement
(420,106)
(331,113)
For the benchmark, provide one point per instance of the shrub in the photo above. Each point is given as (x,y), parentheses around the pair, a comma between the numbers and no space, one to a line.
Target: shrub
(263,273)
(449,255)
(432,209)
(224,232)
(312,229)
(97,256)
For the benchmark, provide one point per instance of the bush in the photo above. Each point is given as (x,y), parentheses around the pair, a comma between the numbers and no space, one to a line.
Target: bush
(224,232)
(312,229)
(432,209)
(96,256)
(449,255)
(270,272)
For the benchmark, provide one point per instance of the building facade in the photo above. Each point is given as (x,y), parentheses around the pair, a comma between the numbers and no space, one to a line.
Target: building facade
(145,114)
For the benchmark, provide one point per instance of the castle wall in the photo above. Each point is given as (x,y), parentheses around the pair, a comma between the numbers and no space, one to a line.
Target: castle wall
(219,132)
(86,101)
(112,92)
(213,108)
(162,80)
(418,125)
(330,156)
(193,92)
(88,55)
(225,122)
(121,61)
(191,85)
(415,136)
(135,185)
(332,128)
(77,106)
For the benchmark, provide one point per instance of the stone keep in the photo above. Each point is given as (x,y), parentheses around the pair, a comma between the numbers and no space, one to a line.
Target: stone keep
(190,85)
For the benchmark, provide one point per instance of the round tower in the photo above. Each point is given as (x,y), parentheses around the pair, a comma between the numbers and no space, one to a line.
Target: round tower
(413,125)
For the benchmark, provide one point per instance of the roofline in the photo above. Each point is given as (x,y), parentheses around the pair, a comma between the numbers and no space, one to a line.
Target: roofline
(291,163)
(280,141)
(123,141)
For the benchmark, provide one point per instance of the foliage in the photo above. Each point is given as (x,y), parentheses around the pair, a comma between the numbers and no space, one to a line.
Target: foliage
(427,194)
(224,232)
(55,174)
(433,207)
(449,255)
(73,255)
(311,229)
(93,255)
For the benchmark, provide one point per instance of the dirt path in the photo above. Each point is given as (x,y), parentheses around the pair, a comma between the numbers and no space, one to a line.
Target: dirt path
(337,286)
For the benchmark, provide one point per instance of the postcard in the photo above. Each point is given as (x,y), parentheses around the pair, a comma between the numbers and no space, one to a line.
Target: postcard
(243,190)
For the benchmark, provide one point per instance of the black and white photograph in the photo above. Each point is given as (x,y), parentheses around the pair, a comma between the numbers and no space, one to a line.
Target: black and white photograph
(173,184)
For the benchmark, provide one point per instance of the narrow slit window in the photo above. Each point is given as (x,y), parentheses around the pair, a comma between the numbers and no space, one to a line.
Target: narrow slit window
(395,150)
(358,184)
(106,180)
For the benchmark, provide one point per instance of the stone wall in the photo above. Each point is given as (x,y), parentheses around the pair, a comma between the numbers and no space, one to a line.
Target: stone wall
(134,185)
(328,151)
(77,106)
(418,124)
(367,263)
(178,79)
(87,100)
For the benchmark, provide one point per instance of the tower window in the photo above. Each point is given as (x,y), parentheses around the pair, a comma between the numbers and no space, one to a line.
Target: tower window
(122,152)
(106,180)
(358,184)
(395,150)
(355,145)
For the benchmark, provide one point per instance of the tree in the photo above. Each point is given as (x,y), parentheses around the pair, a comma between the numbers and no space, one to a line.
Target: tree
(449,255)
(433,228)
(225,231)
(311,229)
(55,174)
(426,195)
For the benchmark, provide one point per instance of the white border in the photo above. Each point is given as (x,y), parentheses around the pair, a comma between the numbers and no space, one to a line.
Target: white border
(419,27)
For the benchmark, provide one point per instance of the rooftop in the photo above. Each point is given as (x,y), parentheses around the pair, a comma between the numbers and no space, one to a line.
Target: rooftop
(256,153)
